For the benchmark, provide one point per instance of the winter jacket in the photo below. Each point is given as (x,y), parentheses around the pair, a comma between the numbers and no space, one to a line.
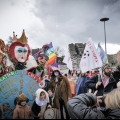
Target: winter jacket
(116,75)
(36,109)
(78,108)
(22,112)
(91,83)
(80,85)
(64,88)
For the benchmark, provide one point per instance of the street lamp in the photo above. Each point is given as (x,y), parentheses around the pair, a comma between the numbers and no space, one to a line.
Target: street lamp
(103,20)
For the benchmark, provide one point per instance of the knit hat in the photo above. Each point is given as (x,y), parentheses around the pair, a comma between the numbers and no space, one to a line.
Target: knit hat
(105,66)
(22,97)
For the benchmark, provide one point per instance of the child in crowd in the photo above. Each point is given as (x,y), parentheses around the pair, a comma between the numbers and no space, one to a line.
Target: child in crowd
(40,104)
(22,110)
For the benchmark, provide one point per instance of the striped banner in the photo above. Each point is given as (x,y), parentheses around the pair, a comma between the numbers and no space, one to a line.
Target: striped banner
(51,54)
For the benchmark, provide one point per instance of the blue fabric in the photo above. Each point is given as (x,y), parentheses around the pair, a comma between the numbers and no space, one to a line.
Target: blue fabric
(80,85)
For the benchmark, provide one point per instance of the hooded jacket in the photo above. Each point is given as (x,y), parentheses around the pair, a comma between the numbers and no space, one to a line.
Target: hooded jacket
(78,108)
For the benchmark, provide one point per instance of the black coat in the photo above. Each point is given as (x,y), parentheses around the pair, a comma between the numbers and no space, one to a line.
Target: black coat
(116,75)
(78,108)
(91,83)
(36,109)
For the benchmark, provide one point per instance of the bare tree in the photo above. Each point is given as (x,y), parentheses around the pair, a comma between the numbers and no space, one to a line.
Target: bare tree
(10,40)
(59,51)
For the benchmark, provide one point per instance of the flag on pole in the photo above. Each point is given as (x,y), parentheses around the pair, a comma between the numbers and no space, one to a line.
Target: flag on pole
(102,54)
(90,58)
(51,54)
(67,59)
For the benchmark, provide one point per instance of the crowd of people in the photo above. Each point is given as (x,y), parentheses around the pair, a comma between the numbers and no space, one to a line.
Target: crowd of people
(96,93)
(101,99)
(101,102)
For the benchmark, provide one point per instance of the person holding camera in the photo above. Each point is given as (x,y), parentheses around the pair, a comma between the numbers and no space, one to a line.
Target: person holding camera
(86,106)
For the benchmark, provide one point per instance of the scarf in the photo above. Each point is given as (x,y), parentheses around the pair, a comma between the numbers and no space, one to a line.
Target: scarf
(105,81)
(40,102)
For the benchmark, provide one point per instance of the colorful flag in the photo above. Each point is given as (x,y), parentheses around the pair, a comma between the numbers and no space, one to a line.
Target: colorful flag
(90,58)
(102,54)
(67,59)
(51,54)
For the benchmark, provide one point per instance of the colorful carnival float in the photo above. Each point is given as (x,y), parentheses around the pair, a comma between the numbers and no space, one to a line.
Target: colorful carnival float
(20,72)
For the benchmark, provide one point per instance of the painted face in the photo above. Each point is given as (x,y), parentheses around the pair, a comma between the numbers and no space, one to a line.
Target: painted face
(56,73)
(41,60)
(21,53)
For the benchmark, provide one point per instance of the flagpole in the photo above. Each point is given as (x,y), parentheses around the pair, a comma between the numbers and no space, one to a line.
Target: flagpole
(56,57)
(103,20)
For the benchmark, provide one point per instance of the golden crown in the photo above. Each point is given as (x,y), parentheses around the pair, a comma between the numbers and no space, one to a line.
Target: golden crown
(23,39)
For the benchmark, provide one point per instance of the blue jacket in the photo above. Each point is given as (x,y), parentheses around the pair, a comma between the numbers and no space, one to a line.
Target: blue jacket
(80,85)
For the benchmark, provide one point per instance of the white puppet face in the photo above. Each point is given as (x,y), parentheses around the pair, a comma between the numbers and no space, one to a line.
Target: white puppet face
(21,53)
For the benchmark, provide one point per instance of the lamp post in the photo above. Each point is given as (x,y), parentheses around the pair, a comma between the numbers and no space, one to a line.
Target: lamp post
(103,20)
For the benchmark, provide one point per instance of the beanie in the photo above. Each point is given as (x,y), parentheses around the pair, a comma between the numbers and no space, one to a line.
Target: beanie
(22,97)
(105,66)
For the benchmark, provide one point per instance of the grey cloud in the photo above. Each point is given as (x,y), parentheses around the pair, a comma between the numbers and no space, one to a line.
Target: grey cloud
(67,21)
(12,3)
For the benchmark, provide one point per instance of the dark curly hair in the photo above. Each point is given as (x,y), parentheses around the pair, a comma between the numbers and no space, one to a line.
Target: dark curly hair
(53,76)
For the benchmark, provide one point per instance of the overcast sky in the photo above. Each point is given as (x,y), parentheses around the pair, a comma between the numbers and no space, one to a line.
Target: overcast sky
(62,21)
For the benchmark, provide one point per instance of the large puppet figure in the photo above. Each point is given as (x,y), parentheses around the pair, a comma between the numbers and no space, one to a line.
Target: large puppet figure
(42,71)
(19,53)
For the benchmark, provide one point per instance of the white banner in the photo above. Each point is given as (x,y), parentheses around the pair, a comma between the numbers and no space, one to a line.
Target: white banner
(90,58)
(67,59)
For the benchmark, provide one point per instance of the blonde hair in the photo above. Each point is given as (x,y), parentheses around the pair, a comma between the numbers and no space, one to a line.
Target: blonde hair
(112,99)
(118,84)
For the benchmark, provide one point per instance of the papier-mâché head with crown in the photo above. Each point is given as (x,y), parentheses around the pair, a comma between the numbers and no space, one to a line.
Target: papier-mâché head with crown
(20,49)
